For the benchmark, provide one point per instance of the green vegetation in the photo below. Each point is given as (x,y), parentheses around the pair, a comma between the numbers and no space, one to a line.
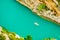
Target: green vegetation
(28,37)
(41,6)
(2,37)
(11,36)
(58,1)
(49,39)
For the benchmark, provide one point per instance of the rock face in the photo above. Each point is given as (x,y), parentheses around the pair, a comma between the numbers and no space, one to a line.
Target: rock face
(6,35)
(48,9)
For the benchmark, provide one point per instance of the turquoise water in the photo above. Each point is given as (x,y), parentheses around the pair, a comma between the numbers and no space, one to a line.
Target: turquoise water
(17,18)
